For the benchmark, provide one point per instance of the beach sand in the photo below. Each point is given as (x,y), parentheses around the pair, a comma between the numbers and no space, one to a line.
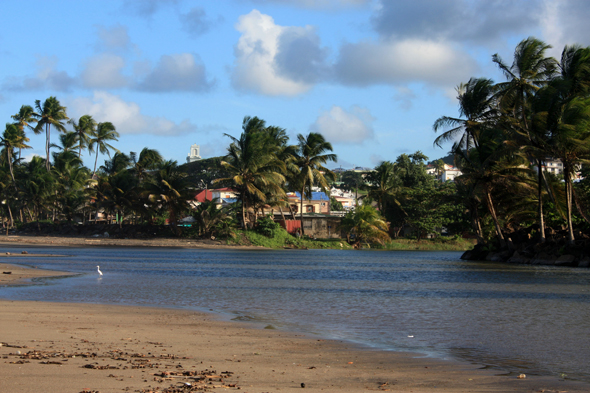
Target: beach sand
(57,347)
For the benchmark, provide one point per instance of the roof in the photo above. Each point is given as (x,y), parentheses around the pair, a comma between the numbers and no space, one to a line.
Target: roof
(204,195)
(207,195)
(315,196)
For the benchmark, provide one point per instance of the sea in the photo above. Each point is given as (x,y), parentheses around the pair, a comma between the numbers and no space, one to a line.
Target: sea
(511,318)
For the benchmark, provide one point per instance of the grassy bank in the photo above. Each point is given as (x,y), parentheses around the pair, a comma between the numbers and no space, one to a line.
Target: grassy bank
(282,239)
(441,243)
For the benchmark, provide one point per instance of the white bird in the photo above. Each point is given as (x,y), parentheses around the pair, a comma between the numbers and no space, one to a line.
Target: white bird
(98,268)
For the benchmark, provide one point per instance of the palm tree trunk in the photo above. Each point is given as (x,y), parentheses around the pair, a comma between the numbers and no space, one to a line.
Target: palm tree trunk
(540,196)
(47,133)
(568,198)
(95,161)
(495,218)
(243,212)
(282,214)
(301,212)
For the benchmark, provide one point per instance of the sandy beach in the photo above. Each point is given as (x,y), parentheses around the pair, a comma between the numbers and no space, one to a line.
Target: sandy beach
(57,347)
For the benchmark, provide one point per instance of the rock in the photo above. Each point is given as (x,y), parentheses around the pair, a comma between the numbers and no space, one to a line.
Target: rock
(24,252)
(565,260)
(518,258)
(501,256)
(543,258)
(521,376)
(584,262)
(106,234)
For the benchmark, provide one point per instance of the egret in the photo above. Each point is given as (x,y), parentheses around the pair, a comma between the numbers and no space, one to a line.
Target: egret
(98,268)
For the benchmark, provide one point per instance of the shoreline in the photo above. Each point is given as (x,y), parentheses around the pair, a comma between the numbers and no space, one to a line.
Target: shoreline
(112,348)
(66,241)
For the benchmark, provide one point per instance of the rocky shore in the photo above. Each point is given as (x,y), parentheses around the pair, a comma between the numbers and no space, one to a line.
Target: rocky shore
(523,247)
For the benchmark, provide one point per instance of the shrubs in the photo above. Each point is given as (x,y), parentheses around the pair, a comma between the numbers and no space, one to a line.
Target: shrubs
(267,227)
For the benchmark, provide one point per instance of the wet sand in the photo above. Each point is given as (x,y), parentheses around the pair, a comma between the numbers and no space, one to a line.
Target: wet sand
(56,347)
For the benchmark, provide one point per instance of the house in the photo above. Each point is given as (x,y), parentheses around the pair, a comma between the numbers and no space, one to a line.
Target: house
(449,173)
(319,202)
(225,196)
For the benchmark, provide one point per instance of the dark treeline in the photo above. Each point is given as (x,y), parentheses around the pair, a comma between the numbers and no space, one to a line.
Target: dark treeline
(509,130)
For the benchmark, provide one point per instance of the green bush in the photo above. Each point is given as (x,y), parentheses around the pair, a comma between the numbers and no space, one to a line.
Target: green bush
(267,227)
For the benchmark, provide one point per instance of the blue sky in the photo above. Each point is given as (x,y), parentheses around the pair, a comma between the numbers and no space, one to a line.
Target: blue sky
(371,75)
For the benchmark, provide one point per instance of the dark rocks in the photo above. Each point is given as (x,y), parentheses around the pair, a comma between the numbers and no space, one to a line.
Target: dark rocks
(565,260)
(517,257)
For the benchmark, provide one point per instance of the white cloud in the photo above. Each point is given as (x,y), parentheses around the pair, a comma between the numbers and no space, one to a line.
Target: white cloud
(181,72)
(341,126)
(255,66)
(126,116)
(412,60)
(47,78)
(104,71)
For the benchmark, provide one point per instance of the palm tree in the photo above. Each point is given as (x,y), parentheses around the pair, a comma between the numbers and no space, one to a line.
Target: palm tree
(477,105)
(66,154)
(253,165)
(84,129)
(24,118)
(11,139)
(169,190)
(149,159)
(384,184)
(366,225)
(104,132)
(51,113)
(530,70)
(309,159)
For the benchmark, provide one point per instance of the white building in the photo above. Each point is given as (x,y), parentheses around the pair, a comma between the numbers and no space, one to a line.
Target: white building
(448,174)
(194,154)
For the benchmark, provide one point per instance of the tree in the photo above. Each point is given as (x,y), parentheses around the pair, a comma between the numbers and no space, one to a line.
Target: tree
(309,159)
(51,113)
(169,191)
(477,105)
(149,159)
(84,129)
(530,70)
(365,225)
(384,184)
(252,164)
(104,132)
(24,119)
(12,139)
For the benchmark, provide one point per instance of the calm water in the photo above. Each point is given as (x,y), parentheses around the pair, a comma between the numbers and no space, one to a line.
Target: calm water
(515,318)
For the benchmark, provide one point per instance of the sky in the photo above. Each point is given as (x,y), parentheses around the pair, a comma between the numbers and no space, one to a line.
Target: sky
(371,75)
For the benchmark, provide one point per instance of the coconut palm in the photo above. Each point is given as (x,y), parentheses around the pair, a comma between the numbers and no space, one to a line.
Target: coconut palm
(84,129)
(253,166)
(12,139)
(51,113)
(169,191)
(24,119)
(366,225)
(309,160)
(104,132)
(477,106)
(149,159)
(531,69)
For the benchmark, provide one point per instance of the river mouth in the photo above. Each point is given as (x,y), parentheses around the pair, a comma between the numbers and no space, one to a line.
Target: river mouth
(512,318)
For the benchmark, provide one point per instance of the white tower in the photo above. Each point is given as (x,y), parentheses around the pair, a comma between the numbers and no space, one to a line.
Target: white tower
(194,154)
